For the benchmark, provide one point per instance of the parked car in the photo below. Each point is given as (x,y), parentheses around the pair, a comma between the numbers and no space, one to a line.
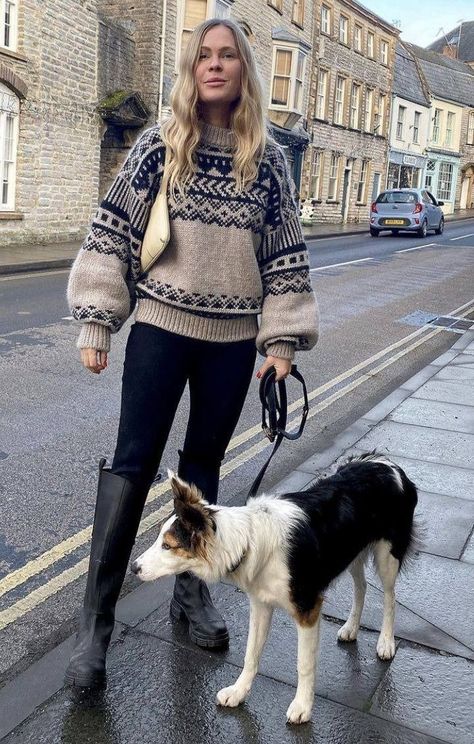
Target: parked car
(414,210)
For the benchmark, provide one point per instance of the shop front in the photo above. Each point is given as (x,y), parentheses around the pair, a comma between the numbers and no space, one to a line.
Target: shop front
(441,175)
(405,170)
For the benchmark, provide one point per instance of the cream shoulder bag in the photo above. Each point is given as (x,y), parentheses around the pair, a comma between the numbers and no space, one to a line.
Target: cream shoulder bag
(157,233)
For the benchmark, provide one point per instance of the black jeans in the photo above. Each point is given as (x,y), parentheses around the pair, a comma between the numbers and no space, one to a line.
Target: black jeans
(157,366)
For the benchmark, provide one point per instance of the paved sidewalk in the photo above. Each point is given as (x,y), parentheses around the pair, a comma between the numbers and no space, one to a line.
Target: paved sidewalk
(162,688)
(20,258)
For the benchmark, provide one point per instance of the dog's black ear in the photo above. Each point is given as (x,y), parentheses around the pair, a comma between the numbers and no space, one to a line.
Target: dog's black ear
(188,505)
(188,493)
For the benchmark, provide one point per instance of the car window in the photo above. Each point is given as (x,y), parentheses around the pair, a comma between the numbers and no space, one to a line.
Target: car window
(397,197)
(426,197)
(432,198)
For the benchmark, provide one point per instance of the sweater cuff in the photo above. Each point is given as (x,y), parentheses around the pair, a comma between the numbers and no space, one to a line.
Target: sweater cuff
(281,349)
(94,336)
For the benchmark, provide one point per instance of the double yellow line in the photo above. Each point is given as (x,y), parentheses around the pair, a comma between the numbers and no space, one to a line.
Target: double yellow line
(34,567)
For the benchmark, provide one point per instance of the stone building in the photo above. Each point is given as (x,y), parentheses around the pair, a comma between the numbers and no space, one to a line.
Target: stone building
(409,124)
(451,89)
(349,111)
(79,80)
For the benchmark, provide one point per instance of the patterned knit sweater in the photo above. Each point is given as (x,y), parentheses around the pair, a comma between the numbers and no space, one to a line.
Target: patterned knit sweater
(231,256)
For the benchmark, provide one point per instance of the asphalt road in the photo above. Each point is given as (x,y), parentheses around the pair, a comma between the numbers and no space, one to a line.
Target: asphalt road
(56,420)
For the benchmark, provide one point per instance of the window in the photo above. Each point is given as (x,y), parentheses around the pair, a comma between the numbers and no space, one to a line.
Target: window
(321,98)
(448,140)
(278,4)
(343,29)
(370,44)
(316,171)
(325,20)
(384,52)
(358,38)
(400,121)
(430,170)
(287,80)
(380,115)
(192,13)
(354,114)
(369,105)
(9,111)
(416,126)
(445,181)
(339,100)
(333,177)
(470,129)
(8,23)
(362,184)
(436,125)
(298,12)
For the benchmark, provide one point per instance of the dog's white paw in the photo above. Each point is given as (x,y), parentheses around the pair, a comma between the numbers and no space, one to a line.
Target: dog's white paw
(231,696)
(348,632)
(299,711)
(386,647)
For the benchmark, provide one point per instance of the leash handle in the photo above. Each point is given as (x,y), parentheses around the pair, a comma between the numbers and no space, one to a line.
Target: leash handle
(277,407)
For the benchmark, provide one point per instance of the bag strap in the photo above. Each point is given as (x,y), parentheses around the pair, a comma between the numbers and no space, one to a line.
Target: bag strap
(274,400)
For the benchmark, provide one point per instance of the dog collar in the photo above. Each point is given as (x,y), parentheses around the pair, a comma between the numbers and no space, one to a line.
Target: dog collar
(236,565)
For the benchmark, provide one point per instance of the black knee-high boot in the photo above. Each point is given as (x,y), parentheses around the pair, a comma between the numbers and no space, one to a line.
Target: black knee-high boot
(117,517)
(191,599)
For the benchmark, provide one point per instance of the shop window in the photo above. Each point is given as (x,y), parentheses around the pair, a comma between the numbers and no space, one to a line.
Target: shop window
(429,174)
(445,181)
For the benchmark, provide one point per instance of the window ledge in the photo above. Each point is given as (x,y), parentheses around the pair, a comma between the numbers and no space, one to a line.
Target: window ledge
(298,25)
(11,215)
(5,52)
(355,129)
(314,201)
(339,126)
(332,201)
(270,4)
(322,121)
(361,204)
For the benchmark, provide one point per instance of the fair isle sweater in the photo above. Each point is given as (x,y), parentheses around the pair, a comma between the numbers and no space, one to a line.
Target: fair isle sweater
(232,256)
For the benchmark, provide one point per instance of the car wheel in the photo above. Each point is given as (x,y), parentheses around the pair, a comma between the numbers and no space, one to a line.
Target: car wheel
(395,232)
(374,233)
(423,231)
(439,230)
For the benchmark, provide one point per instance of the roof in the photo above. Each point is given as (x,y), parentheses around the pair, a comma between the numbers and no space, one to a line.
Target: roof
(406,79)
(461,37)
(448,79)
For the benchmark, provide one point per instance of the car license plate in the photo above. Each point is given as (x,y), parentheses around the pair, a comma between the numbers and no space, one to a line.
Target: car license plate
(394,222)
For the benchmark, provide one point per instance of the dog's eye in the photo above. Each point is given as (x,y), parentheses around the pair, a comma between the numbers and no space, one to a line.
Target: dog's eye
(165,546)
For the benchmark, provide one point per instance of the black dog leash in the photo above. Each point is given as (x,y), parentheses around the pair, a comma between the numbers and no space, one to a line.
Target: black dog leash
(274,401)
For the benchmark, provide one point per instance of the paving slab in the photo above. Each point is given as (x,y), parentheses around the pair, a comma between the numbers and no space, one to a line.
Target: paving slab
(445,523)
(347,673)
(468,554)
(159,693)
(460,391)
(421,442)
(456,373)
(464,360)
(436,414)
(430,692)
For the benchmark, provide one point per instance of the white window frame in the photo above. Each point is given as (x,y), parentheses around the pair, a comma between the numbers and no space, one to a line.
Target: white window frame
(362,182)
(9,118)
(212,11)
(297,54)
(416,127)
(370,44)
(322,94)
(334,176)
(317,160)
(470,128)
(13,40)
(384,51)
(325,20)
(369,109)
(380,115)
(400,122)
(435,136)
(354,109)
(450,124)
(357,37)
(445,181)
(339,105)
(343,29)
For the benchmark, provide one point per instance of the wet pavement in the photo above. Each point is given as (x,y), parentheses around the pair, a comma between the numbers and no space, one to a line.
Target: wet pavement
(161,688)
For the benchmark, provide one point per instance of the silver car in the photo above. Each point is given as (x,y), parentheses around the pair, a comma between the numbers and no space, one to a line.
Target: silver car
(415,210)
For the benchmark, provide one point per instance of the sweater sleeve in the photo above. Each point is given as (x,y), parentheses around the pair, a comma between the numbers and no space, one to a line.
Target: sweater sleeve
(109,258)
(289,320)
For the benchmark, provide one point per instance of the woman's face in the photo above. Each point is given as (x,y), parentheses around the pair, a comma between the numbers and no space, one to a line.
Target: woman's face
(218,69)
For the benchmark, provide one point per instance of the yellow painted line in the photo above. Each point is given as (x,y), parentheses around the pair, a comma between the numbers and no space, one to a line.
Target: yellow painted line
(39,595)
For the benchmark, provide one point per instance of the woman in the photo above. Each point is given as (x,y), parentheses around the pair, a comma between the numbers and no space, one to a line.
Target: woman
(236,251)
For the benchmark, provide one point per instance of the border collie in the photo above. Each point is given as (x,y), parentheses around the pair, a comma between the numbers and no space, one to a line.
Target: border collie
(285,550)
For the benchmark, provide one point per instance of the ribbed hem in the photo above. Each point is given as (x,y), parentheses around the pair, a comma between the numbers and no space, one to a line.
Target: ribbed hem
(173,319)
(217,135)
(282,350)
(94,336)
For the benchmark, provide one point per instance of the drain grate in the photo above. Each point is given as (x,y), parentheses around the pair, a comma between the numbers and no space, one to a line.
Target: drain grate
(448,322)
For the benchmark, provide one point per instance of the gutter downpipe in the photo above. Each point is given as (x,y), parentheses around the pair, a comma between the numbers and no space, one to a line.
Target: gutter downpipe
(162,60)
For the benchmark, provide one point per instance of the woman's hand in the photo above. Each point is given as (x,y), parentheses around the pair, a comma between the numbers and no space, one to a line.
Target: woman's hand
(282,367)
(93,360)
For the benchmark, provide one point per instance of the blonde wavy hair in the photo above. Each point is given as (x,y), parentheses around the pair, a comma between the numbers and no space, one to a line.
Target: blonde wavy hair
(181,132)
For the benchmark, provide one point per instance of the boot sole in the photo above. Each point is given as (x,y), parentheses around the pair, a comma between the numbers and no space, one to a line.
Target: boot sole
(222,641)
(95,681)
